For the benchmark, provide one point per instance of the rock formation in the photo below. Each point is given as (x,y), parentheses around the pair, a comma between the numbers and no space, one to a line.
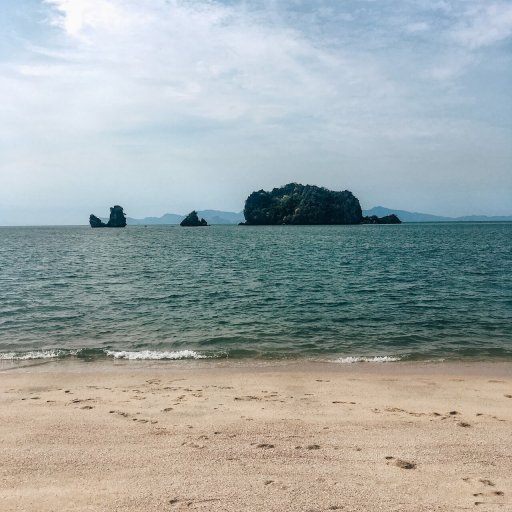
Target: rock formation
(387,219)
(307,204)
(302,204)
(192,220)
(117,219)
(96,222)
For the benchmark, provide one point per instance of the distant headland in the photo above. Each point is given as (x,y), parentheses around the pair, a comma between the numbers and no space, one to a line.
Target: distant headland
(298,204)
(117,219)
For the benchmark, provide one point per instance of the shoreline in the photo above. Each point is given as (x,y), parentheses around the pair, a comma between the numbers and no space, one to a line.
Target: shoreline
(484,368)
(301,436)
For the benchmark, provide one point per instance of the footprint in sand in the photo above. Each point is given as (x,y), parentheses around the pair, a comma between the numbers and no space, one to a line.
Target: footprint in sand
(404,464)
(120,413)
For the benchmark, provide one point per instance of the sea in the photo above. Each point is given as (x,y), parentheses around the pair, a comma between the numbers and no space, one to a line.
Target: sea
(346,294)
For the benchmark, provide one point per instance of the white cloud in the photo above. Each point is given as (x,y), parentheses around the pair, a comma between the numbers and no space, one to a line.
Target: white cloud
(484,24)
(195,59)
(77,17)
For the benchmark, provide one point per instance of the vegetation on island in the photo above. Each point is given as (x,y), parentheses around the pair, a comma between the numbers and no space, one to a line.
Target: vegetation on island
(302,204)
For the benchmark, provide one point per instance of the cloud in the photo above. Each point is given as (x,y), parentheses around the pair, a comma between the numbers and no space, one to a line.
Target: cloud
(77,17)
(196,59)
(484,24)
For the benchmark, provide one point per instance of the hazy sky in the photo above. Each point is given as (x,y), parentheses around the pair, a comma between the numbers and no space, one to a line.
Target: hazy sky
(169,105)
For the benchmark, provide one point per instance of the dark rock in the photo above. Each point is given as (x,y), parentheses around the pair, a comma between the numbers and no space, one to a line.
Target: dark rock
(117,219)
(95,222)
(192,220)
(302,204)
(388,219)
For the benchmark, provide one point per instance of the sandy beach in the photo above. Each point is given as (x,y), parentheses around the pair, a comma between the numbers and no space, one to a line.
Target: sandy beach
(297,436)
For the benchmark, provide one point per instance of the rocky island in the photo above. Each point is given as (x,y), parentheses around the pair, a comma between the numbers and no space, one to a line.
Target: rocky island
(192,220)
(307,204)
(117,219)
(387,219)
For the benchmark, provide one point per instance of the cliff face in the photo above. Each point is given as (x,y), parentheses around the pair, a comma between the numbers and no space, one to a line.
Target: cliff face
(192,220)
(302,204)
(117,219)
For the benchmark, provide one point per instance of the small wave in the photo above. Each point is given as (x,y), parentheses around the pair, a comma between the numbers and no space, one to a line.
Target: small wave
(375,359)
(36,354)
(155,354)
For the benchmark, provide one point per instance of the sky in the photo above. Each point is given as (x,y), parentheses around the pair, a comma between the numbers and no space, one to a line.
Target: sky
(173,105)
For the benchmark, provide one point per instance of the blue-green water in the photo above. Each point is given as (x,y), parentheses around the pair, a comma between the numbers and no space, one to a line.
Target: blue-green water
(414,291)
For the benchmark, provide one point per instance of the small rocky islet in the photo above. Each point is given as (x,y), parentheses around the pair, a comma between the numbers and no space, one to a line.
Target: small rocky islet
(192,221)
(292,204)
(117,219)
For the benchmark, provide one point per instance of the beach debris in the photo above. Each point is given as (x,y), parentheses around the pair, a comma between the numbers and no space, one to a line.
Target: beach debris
(486,481)
(313,447)
(464,424)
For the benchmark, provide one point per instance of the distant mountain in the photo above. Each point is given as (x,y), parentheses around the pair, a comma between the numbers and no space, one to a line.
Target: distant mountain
(168,218)
(218,217)
(211,216)
(406,216)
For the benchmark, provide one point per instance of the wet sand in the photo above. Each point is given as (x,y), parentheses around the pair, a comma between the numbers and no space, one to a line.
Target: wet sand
(230,437)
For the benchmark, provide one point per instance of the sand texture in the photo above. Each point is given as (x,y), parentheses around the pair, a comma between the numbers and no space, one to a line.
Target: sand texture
(295,437)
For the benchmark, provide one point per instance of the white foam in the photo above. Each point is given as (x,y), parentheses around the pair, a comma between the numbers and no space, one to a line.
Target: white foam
(37,354)
(155,354)
(375,359)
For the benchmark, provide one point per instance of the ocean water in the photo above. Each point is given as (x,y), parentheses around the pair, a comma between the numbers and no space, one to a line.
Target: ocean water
(337,293)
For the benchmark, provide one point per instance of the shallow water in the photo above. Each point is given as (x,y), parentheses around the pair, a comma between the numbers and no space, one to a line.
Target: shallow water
(408,292)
